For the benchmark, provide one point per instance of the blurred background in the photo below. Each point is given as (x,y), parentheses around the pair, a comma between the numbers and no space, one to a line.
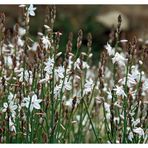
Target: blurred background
(97,19)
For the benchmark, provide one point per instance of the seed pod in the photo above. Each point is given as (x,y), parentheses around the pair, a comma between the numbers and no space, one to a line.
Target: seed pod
(79,39)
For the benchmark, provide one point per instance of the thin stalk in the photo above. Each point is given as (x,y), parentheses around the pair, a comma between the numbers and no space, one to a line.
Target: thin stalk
(93,128)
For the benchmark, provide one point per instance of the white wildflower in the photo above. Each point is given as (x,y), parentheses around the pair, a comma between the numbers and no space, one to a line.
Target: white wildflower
(139,131)
(136,122)
(46,42)
(59,72)
(130,136)
(21,31)
(107,107)
(57,90)
(25,75)
(69,103)
(109,94)
(135,72)
(35,46)
(30,10)
(10,104)
(120,59)
(77,64)
(88,86)
(145,85)
(110,50)
(12,107)
(49,65)
(132,79)
(46,79)
(81,63)
(11,126)
(70,62)
(8,61)
(67,84)
(120,91)
(33,102)
(20,42)
(85,65)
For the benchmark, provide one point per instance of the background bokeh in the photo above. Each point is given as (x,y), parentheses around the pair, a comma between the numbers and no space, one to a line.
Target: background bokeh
(97,19)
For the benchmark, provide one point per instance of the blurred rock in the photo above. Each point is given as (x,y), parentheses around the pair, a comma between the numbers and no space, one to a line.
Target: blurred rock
(109,19)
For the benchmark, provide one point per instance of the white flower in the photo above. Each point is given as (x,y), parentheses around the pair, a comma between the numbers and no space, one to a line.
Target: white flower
(107,107)
(46,42)
(79,63)
(49,65)
(8,61)
(67,84)
(132,79)
(57,90)
(33,102)
(11,105)
(135,72)
(110,50)
(130,136)
(12,108)
(120,59)
(120,91)
(70,62)
(30,10)
(21,31)
(134,123)
(11,126)
(5,106)
(26,75)
(145,85)
(10,97)
(34,47)
(88,86)
(85,65)
(69,103)
(109,95)
(46,79)
(139,131)
(59,72)
(20,42)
